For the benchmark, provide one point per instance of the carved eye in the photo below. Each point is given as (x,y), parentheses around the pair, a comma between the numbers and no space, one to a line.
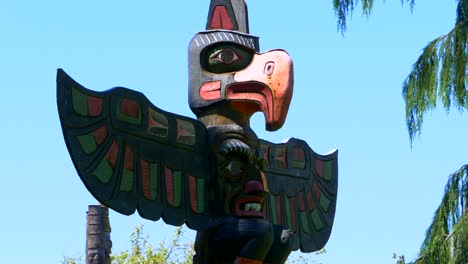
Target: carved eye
(234,170)
(226,56)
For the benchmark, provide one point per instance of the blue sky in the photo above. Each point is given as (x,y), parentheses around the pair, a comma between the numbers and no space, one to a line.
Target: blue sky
(347,96)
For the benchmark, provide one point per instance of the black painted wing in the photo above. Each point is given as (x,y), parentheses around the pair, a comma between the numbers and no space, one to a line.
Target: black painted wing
(132,155)
(302,189)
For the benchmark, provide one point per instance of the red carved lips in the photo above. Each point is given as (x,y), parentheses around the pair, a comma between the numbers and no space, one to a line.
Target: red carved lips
(251,202)
(250,206)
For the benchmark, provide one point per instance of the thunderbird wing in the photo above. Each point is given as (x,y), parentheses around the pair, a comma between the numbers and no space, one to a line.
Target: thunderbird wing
(302,190)
(132,155)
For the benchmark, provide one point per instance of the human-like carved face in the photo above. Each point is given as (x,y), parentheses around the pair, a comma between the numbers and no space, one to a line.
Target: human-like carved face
(240,184)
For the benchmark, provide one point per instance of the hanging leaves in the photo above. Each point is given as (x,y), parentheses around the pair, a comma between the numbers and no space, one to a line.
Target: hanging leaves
(447,237)
(439,73)
(345,8)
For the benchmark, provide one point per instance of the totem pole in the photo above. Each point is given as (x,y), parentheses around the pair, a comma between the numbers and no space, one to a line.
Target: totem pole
(98,242)
(250,200)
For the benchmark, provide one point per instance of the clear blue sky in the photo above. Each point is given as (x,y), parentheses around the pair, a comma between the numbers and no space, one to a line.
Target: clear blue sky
(347,96)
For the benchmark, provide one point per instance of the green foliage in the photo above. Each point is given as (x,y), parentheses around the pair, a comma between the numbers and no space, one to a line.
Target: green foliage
(447,237)
(345,8)
(399,259)
(175,252)
(142,251)
(439,74)
(71,260)
(305,258)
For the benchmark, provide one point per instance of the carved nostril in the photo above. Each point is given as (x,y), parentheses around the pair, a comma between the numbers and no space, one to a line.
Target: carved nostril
(253,186)
(269,68)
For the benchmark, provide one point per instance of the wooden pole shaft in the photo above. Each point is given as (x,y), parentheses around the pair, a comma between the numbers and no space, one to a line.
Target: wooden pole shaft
(98,242)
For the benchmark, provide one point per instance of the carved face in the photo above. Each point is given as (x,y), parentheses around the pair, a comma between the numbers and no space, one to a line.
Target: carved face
(241,187)
(225,67)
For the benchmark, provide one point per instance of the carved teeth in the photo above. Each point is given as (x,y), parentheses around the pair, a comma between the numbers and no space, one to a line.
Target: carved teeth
(252,207)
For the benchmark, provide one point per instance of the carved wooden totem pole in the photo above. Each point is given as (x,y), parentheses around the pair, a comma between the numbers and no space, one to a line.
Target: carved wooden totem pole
(251,201)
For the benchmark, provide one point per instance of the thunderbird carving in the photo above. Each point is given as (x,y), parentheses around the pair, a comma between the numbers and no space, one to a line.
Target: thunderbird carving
(251,201)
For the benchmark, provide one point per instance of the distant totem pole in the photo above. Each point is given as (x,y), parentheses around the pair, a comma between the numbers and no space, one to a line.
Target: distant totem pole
(98,229)
(251,201)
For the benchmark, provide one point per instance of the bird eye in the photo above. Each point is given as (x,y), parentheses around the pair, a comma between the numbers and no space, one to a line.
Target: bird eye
(226,56)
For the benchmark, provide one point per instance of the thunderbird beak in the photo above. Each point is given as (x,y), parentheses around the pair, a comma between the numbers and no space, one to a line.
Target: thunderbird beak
(265,85)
